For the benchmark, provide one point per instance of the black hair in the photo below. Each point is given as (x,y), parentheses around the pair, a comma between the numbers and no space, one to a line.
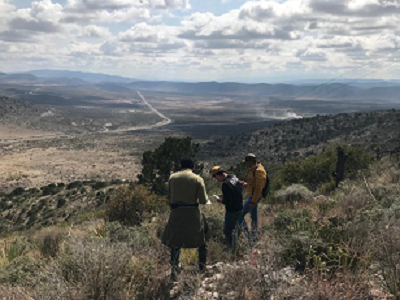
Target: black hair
(250,158)
(187,163)
(220,172)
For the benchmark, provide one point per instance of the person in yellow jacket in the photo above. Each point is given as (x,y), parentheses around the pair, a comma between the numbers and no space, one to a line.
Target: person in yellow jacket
(255,183)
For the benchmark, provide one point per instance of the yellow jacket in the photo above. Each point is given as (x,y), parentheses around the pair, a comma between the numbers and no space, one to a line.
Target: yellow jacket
(255,184)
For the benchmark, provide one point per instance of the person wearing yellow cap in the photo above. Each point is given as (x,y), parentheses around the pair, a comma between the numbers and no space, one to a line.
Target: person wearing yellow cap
(232,198)
(256,183)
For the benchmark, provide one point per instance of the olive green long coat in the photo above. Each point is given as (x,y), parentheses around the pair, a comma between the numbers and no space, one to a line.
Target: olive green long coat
(186,227)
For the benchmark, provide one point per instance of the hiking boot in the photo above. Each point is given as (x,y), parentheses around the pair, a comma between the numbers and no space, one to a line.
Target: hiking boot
(174,273)
(173,277)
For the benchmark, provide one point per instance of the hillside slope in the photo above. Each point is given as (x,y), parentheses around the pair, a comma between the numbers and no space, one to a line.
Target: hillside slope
(304,137)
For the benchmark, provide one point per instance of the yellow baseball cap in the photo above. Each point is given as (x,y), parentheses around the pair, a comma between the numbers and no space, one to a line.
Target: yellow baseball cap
(215,170)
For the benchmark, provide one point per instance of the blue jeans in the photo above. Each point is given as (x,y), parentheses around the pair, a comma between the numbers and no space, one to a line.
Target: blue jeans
(230,226)
(254,218)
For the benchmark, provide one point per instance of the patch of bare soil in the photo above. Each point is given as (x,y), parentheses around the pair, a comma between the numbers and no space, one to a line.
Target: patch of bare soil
(16,132)
(36,167)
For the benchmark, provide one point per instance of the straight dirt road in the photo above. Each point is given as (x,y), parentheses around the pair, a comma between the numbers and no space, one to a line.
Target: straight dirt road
(165,121)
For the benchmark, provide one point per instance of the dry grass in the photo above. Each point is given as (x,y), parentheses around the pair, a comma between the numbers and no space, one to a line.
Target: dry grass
(101,260)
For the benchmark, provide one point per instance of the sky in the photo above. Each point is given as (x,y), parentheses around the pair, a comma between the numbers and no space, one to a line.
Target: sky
(204,40)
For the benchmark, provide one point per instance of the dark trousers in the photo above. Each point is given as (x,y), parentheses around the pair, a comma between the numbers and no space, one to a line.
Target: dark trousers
(230,227)
(176,254)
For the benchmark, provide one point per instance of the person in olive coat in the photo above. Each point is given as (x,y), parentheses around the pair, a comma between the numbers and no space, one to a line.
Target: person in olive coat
(186,226)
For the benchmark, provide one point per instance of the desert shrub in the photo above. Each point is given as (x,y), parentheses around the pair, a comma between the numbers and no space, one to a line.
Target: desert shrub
(139,238)
(293,193)
(18,248)
(317,170)
(385,247)
(324,205)
(18,191)
(147,280)
(34,191)
(294,221)
(315,244)
(159,163)
(32,219)
(21,270)
(327,188)
(70,267)
(242,282)
(51,189)
(352,200)
(304,251)
(117,182)
(50,285)
(346,285)
(11,292)
(42,204)
(10,252)
(49,242)
(7,205)
(215,221)
(98,266)
(75,185)
(99,185)
(212,186)
(132,205)
(61,202)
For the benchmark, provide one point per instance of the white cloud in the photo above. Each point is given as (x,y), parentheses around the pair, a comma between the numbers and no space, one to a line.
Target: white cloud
(144,32)
(116,11)
(93,31)
(5,10)
(261,37)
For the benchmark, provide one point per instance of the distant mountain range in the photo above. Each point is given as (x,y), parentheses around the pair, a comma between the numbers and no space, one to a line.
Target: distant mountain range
(329,91)
(302,90)
(89,77)
(362,83)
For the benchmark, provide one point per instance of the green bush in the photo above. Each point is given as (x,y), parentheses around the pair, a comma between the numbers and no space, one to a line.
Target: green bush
(21,270)
(310,244)
(294,221)
(315,171)
(132,205)
(293,193)
(74,185)
(51,189)
(158,164)
(18,191)
(49,242)
(61,202)
(99,185)
(215,222)
(137,237)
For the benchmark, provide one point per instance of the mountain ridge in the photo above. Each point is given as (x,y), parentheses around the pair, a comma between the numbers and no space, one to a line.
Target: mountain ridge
(333,90)
(86,76)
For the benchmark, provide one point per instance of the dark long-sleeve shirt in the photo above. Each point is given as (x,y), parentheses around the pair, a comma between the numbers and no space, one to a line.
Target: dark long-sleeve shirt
(232,192)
